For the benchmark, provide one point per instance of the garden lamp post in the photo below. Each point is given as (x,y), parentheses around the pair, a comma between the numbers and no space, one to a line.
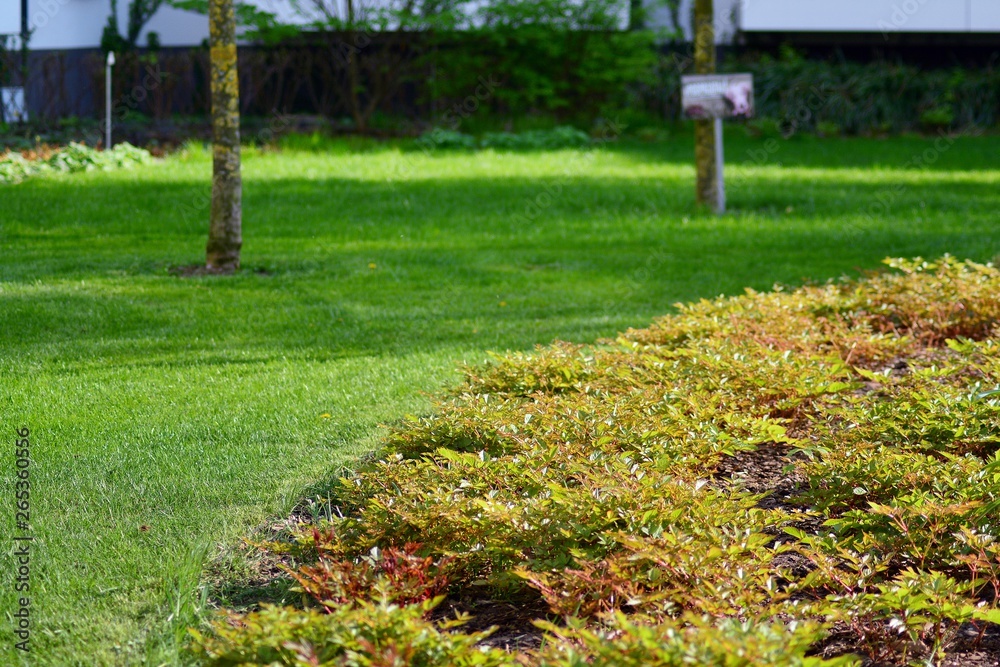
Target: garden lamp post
(107,100)
(25,36)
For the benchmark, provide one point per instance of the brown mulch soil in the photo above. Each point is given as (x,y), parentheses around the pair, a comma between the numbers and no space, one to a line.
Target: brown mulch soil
(769,469)
(513,621)
(763,470)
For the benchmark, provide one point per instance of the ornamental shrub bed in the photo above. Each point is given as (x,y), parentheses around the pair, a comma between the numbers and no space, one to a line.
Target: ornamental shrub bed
(16,166)
(800,477)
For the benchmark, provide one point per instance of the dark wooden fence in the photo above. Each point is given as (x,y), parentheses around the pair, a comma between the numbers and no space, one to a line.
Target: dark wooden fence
(309,77)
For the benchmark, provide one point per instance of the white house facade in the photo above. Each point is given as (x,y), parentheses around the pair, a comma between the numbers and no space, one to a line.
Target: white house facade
(878,16)
(77,24)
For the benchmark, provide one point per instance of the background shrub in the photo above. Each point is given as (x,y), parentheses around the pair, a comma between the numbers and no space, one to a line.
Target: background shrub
(17,166)
(870,97)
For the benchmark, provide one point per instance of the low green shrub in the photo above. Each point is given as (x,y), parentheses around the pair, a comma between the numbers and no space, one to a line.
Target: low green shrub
(558,57)
(728,643)
(395,575)
(917,614)
(362,635)
(827,128)
(75,157)
(441,138)
(802,94)
(557,137)
(937,118)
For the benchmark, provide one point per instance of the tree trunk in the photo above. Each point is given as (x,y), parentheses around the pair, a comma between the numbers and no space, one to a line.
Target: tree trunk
(704,132)
(354,80)
(225,236)
(636,15)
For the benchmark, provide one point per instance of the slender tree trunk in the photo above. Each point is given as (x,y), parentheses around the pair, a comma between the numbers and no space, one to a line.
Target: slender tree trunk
(354,80)
(354,75)
(704,133)
(636,15)
(225,236)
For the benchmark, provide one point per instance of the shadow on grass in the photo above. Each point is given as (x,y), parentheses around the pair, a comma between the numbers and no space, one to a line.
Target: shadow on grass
(243,595)
(344,268)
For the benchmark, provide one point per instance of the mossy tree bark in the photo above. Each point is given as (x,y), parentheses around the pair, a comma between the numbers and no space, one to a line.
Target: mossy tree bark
(225,236)
(704,133)
(636,15)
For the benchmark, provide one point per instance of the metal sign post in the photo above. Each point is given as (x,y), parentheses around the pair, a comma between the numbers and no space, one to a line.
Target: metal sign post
(107,100)
(3,80)
(25,35)
(720,186)
(717,96)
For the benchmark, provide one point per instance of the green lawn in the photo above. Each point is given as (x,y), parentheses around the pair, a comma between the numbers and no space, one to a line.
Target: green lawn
(199,407)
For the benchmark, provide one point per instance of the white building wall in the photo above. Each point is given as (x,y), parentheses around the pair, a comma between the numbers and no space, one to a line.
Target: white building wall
(10,17)
(883,16)
(77,24)
(72,24)
(984,15)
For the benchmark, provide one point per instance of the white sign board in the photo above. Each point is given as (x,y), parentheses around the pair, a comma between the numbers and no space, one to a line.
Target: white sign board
(717,95)
(14,109)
